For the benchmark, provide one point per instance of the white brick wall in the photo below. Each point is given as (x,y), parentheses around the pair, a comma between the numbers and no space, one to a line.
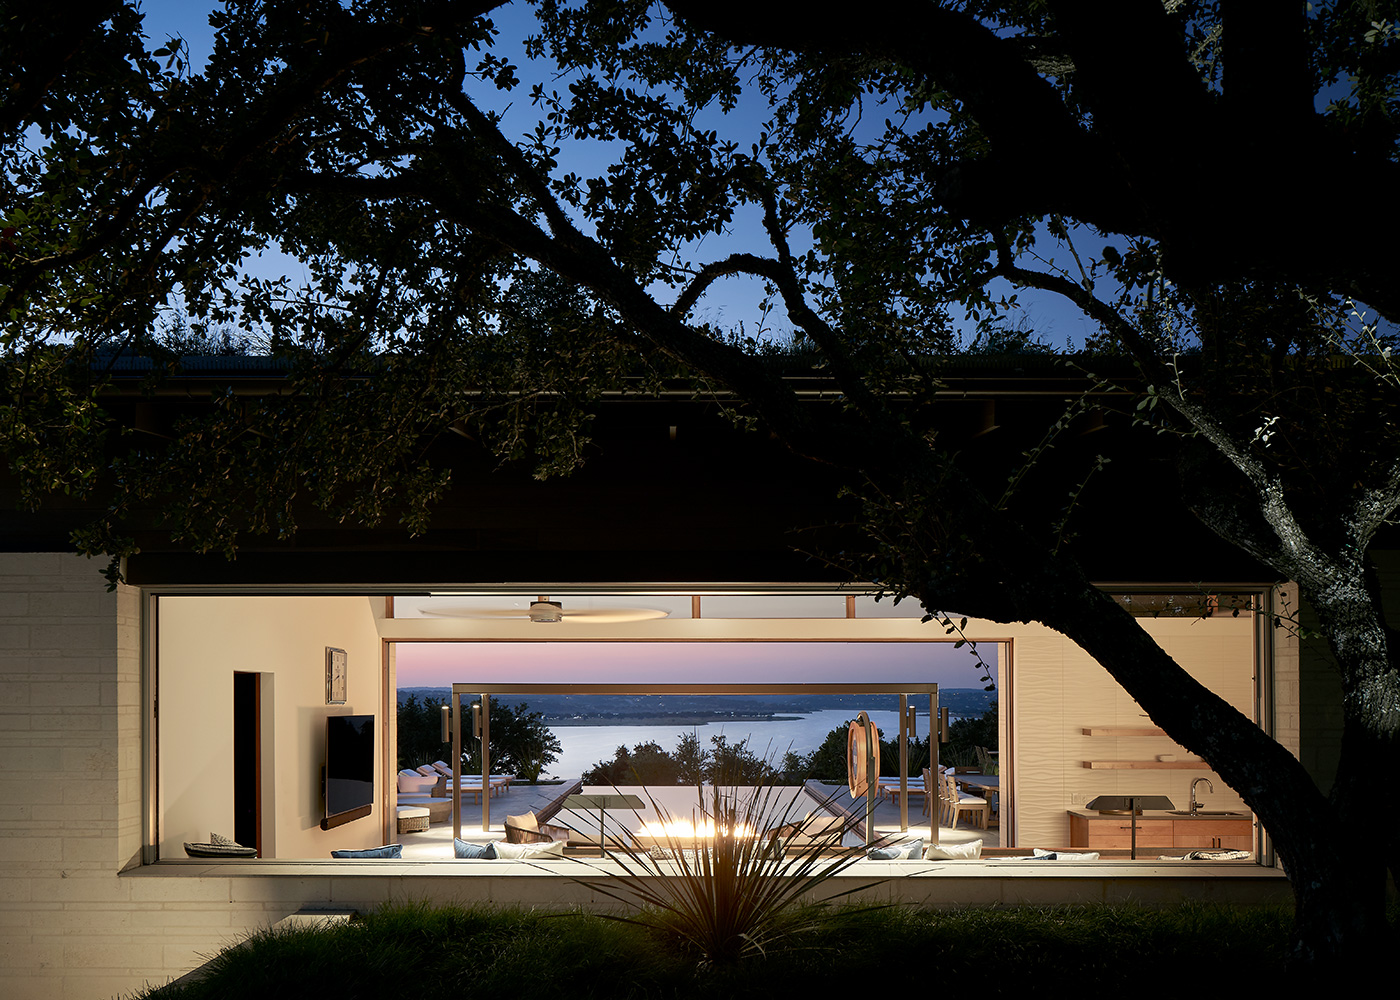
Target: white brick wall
(70,801)
(78,918)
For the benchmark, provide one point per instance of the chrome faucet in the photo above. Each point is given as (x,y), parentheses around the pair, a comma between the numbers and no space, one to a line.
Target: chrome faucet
(1194,804)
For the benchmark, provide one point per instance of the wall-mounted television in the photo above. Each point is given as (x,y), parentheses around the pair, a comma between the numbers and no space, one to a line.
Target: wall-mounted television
(349,774)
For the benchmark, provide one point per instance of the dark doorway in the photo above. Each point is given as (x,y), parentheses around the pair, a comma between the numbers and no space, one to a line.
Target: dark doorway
(247,759)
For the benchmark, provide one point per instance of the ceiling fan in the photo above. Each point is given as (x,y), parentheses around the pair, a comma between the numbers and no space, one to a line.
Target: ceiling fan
(545,610)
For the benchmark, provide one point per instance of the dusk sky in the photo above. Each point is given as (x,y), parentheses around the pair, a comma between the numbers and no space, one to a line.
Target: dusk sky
(439,664)
(727,303)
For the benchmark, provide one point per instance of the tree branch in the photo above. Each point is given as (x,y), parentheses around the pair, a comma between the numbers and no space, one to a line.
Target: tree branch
(739,263)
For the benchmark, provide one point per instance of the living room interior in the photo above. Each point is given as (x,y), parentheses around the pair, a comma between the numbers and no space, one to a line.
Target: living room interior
(1068,732)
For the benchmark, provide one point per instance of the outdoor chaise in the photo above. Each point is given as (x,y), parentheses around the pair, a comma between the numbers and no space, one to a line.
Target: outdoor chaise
(817,830)
(527,829)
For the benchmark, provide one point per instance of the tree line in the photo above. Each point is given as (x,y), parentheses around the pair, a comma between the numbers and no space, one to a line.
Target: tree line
(735,763)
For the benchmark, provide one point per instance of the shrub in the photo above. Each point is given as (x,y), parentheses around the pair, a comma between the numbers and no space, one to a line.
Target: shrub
(739,894)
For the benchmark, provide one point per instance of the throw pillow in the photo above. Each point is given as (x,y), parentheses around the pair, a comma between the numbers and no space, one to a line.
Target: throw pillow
(897,852)
(954,852)
(553,849)
(387,851)
(467,851)
(1065,855)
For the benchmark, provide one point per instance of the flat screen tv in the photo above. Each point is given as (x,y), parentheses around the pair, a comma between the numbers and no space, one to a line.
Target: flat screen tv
(349,768)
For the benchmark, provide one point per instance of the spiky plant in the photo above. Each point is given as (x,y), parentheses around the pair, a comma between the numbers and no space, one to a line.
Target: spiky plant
(737,889)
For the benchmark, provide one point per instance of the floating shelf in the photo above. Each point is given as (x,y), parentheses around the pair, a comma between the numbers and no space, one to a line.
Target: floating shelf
(1122,731)
(1144,765)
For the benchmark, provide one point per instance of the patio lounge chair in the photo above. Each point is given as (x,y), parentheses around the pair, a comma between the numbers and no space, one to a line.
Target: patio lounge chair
(413,783)
(527,829)
(817,830)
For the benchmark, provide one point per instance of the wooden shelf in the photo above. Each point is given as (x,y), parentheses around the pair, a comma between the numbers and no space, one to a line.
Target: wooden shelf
(1122,731)
(1145,765)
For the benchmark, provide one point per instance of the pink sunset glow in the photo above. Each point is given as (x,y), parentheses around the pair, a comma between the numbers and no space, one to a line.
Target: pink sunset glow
(440,664)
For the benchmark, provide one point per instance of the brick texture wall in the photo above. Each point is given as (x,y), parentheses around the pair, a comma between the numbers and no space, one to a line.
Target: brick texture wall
(71,925)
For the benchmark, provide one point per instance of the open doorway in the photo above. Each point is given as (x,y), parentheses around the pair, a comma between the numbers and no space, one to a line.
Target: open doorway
(247,759)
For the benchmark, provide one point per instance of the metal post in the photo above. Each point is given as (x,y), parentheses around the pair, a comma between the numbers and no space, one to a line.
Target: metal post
(456,766)
(934,734)
(904,763)
(485,763)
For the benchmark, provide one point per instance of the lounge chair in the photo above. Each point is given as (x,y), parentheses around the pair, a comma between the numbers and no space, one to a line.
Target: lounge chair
(817,830)
(413,783)
(527,829)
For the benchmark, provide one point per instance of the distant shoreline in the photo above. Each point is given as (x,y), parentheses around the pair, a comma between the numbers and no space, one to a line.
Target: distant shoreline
(664,720)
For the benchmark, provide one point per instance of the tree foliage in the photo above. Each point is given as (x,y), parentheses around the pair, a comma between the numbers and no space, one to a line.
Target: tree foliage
(419,732)
(521,741)
(1203,180)
(723,763)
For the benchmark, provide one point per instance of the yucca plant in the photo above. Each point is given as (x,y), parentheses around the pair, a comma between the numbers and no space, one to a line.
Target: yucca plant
(735,886)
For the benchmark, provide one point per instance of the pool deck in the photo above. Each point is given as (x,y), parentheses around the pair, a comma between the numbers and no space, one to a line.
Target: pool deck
(435,843)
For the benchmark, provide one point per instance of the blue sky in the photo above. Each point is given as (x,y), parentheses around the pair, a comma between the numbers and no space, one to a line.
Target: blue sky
(729,302)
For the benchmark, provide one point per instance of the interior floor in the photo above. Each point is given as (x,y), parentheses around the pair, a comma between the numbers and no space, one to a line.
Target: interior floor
(435,843)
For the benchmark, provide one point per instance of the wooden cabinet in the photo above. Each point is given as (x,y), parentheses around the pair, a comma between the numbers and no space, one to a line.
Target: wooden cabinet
(1220,833)
(1090,830)
(1161,832)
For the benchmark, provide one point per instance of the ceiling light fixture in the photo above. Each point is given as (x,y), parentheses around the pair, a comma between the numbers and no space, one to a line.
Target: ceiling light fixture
(546,611)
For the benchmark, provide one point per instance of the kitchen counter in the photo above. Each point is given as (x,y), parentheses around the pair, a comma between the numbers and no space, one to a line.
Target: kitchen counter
(1163,830)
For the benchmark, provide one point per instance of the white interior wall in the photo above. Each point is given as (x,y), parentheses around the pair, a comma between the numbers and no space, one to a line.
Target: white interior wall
(202,642)
(1059,691)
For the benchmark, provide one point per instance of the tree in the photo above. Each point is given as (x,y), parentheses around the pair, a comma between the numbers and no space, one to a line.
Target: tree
(521,743)
(645,764)
(828,761)
(1207,182)
(966,734)
(420,732)
(692,759)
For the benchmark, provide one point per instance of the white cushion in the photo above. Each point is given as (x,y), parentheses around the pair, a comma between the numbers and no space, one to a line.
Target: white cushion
(509,851)
(411,782)
(954,852)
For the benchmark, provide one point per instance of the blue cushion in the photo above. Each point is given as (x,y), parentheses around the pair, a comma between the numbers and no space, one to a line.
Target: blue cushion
(898,852)
(468,851)
(387,851)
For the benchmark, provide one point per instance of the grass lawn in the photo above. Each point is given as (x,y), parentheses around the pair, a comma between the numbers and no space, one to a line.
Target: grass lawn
(443,952)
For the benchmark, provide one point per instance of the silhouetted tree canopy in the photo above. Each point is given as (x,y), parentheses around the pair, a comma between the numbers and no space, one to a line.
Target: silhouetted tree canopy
(1213,184)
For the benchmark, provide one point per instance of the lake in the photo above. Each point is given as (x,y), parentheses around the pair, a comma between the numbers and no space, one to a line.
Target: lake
(585,746)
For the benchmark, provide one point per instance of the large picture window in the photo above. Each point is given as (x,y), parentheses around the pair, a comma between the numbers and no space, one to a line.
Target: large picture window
(240,682)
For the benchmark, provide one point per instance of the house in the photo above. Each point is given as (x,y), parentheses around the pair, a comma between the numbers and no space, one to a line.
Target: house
(117,709)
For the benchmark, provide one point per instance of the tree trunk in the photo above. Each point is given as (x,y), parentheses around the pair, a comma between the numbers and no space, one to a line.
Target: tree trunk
(1362,799)
(1338,889)
(1337,883)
